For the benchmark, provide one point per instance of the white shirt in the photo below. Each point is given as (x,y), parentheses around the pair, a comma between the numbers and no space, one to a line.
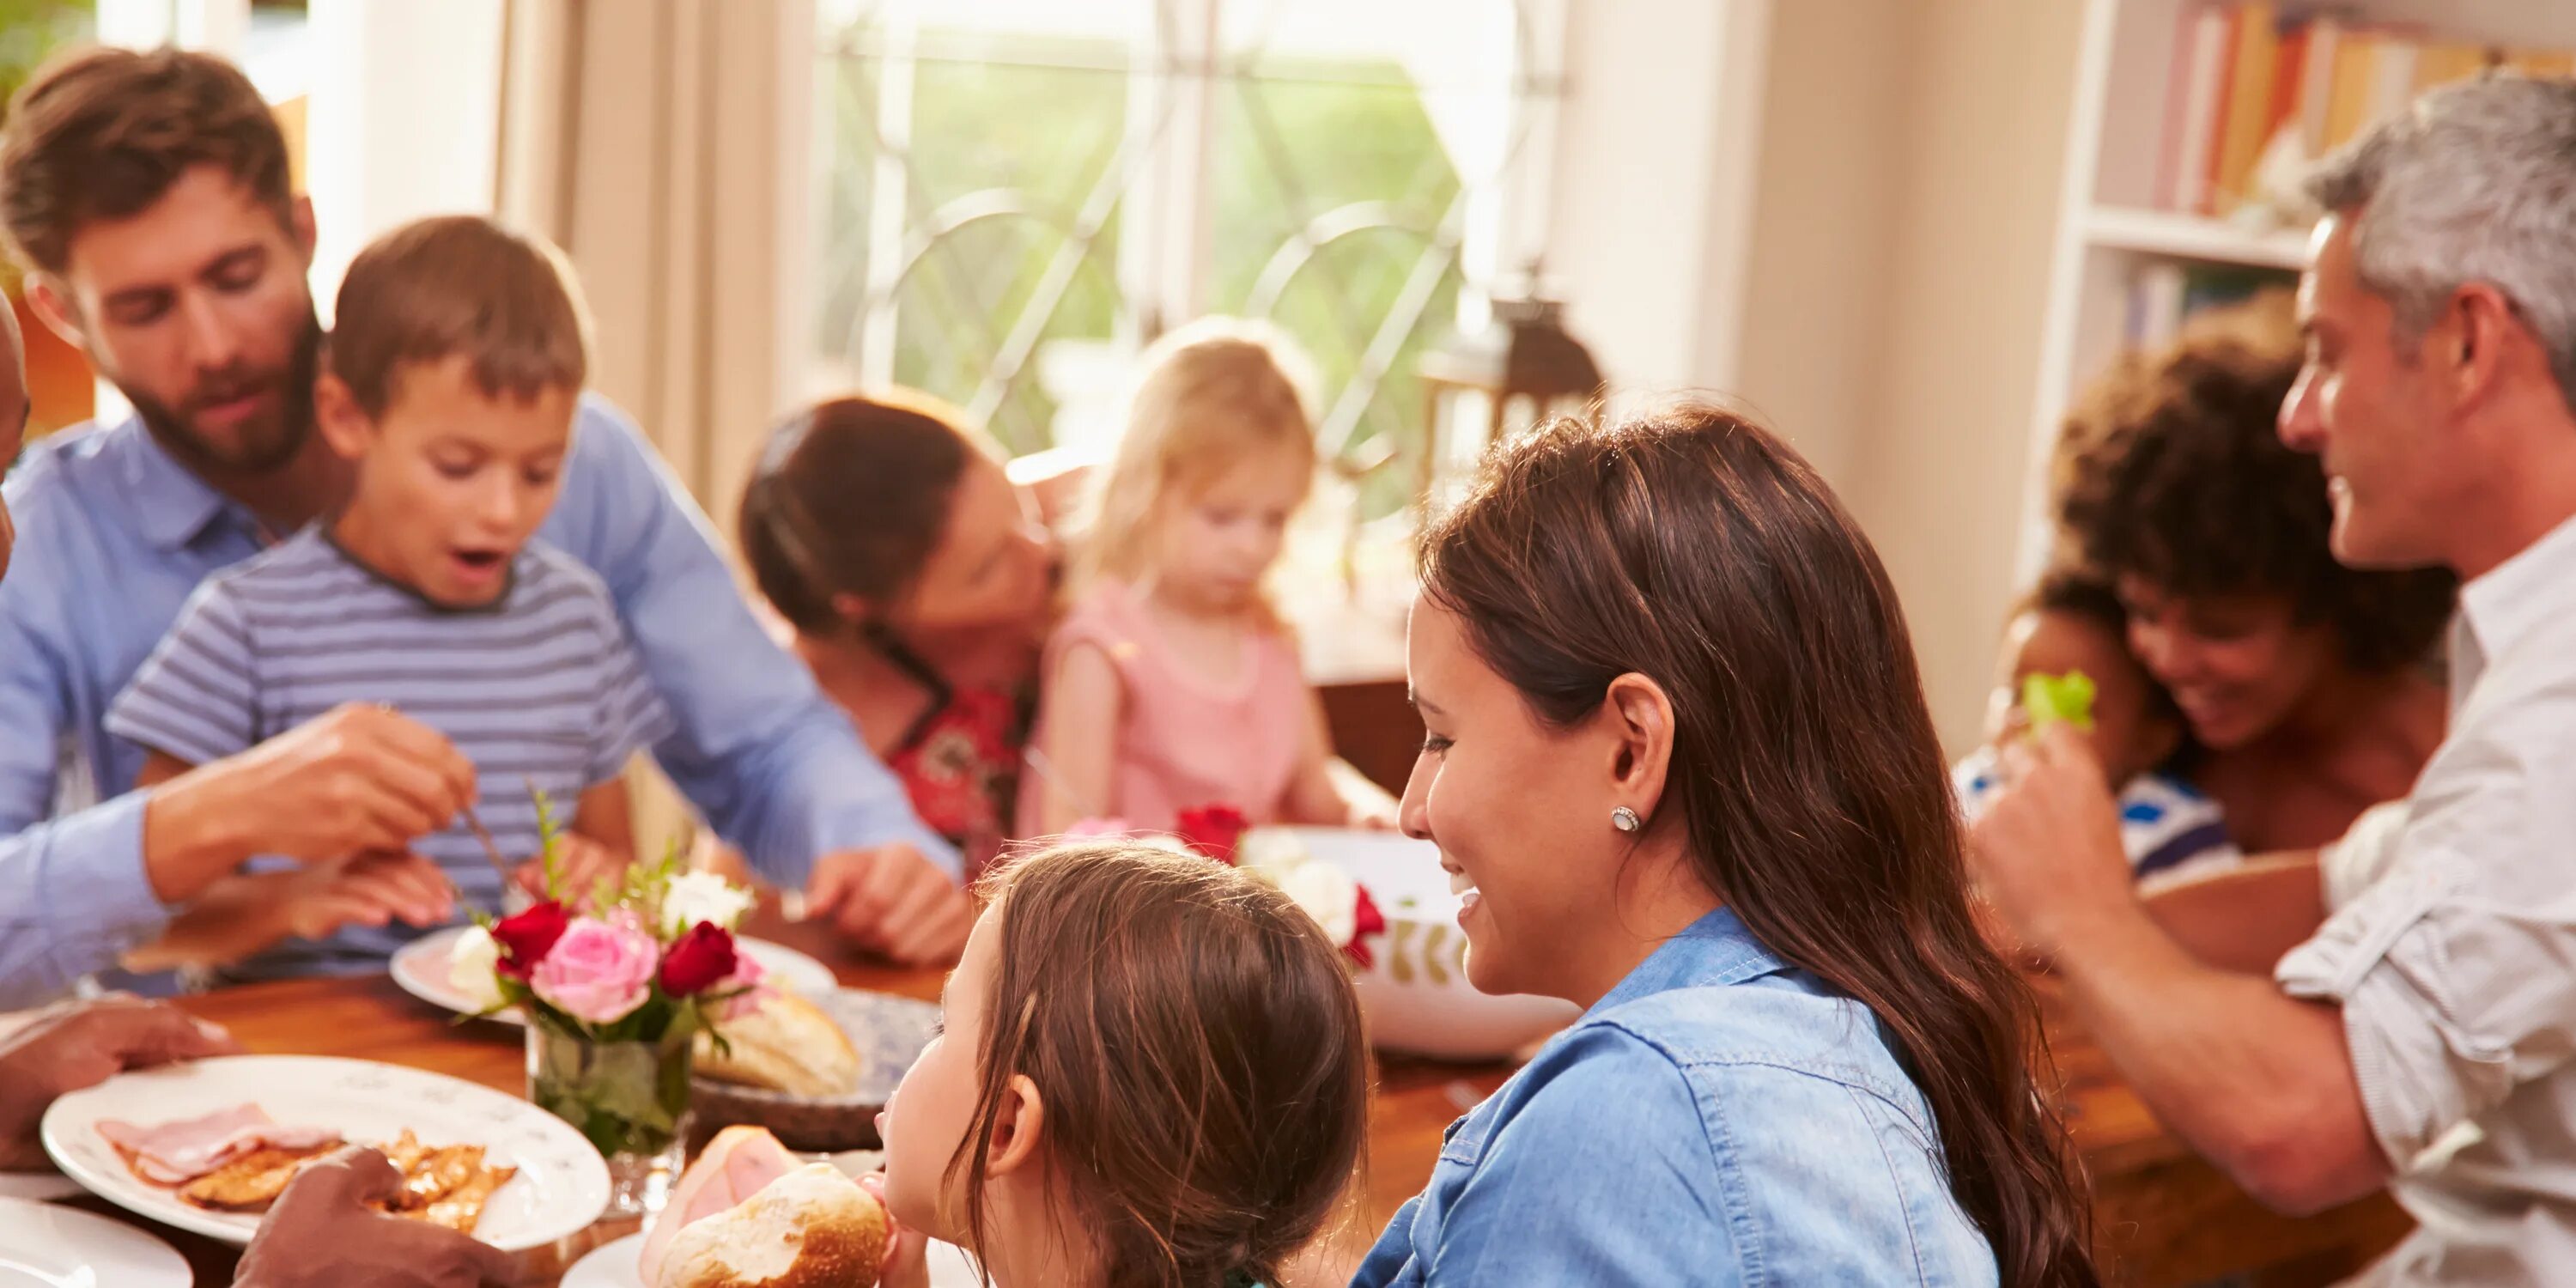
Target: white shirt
(2452,949)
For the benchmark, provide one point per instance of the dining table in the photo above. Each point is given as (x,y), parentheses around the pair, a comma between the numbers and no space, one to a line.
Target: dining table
(2161,1215)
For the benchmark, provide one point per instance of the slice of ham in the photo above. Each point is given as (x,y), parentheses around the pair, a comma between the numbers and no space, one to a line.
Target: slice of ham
(179,1152)
(737,1164)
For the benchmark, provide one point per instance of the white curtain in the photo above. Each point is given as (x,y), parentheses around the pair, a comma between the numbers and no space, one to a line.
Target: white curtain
(663,144)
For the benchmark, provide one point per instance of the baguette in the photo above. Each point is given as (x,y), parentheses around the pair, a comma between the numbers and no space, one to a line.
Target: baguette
(788,1045)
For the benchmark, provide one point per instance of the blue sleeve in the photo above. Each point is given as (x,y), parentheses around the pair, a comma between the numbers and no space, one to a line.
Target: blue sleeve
(73,892)
(631,715)
(1394,1249)
(1604,1176)
(197,697)
(777,770)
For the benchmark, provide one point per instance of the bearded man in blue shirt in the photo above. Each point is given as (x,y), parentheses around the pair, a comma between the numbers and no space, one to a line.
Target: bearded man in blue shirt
(148,195)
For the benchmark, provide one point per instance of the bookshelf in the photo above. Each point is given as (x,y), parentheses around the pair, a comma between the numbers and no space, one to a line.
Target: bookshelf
(2113,225)
(2128,230)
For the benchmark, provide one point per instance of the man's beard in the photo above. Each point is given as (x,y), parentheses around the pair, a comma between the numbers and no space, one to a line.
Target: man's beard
(260,444)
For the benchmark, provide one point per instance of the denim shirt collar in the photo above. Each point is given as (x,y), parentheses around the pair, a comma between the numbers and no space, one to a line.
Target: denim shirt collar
(172,506)
(1713,951)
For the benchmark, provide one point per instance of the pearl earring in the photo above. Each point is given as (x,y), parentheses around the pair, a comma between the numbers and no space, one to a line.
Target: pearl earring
(1625,819)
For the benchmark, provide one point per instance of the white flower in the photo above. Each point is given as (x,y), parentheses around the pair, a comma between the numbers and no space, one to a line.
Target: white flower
(1270,851)
(692,897)
(1327,893)
(474,968)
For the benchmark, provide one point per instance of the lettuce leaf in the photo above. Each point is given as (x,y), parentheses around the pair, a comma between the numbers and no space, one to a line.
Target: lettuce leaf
(2050,699)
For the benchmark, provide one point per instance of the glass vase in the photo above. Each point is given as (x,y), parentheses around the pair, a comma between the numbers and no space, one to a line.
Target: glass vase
(629,1099)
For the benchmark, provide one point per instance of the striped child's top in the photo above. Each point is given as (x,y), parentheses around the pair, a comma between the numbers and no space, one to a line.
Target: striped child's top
(2170,830)
(540,690)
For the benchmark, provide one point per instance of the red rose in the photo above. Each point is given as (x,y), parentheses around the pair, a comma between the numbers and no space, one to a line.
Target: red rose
(702,959)
(1212,830)
(1366,920)
(529,936)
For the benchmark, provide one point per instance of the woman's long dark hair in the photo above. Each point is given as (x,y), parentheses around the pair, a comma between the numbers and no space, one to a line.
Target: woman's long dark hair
(1697,550)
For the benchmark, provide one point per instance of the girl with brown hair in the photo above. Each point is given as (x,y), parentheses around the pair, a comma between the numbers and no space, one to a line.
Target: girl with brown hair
(1679,762)
(1150,1074)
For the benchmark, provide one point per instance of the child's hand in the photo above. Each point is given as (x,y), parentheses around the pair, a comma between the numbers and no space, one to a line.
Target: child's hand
(584,863)
(370,890)
(906,1264)
(248,913)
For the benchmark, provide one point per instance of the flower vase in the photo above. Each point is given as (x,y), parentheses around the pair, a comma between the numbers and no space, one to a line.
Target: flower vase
(629,1099)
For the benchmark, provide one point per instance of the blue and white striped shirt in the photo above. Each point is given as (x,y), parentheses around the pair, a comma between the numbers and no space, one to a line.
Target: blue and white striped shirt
(540,690)
(2171,831)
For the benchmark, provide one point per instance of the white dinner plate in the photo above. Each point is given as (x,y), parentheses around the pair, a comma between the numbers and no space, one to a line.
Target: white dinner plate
(561,1187)
(420,969)
(620,1265)
(37,1187)
(42,1246)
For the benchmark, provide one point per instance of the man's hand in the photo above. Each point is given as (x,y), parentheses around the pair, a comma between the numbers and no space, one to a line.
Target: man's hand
(891,900)
(2047,854)
(83,1044)
(322,1234)
(361,778)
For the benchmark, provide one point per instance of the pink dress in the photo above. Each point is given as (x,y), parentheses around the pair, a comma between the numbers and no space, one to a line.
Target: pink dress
(1185,741)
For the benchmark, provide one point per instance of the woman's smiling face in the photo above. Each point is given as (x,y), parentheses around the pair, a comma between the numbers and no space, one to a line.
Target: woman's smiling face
(1520,822)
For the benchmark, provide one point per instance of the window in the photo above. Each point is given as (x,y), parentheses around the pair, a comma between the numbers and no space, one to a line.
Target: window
(1013,196)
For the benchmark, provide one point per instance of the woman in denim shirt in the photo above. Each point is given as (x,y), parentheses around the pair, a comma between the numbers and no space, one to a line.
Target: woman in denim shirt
(1679,761)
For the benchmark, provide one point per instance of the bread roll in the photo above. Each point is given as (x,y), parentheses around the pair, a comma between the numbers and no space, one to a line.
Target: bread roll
(788,1045)
(738,1163)
(812,1228)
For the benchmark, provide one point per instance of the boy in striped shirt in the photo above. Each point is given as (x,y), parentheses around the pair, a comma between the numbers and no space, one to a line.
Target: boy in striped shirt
(449,385)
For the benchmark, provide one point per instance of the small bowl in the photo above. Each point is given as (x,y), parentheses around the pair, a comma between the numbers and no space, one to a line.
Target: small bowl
(889,1032)
(1415,997)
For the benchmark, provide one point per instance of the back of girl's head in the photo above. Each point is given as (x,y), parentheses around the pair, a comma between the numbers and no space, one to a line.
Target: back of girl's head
(1196,1045)
(1697,550)
(1211,394)
(849,498)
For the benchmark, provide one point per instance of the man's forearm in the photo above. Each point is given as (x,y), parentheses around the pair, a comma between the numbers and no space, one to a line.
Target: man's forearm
(193,833)
(2259,1082)
(812,790)
(73,896)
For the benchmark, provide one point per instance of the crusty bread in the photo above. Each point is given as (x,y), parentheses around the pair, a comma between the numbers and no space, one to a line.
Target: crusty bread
(789,1045)
(812,1228)
(738,1163)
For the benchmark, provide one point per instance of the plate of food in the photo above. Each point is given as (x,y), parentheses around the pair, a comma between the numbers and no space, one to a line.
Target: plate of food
(1413,988)
(426,967)
(749,1210)
(814,1069)
(44,1246)
(206,1146)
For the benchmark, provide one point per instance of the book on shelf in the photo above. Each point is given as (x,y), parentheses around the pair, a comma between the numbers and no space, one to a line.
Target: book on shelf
(2164,293)
(2252,86)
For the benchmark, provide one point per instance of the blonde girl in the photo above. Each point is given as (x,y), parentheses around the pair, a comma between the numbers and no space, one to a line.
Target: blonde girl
(1172,685)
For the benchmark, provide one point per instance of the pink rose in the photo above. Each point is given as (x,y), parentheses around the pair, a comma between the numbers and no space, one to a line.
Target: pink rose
(1092,828)
(599,972)
(747,976)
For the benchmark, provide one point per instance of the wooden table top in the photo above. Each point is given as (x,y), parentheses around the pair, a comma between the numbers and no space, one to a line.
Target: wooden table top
(2162,1215)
